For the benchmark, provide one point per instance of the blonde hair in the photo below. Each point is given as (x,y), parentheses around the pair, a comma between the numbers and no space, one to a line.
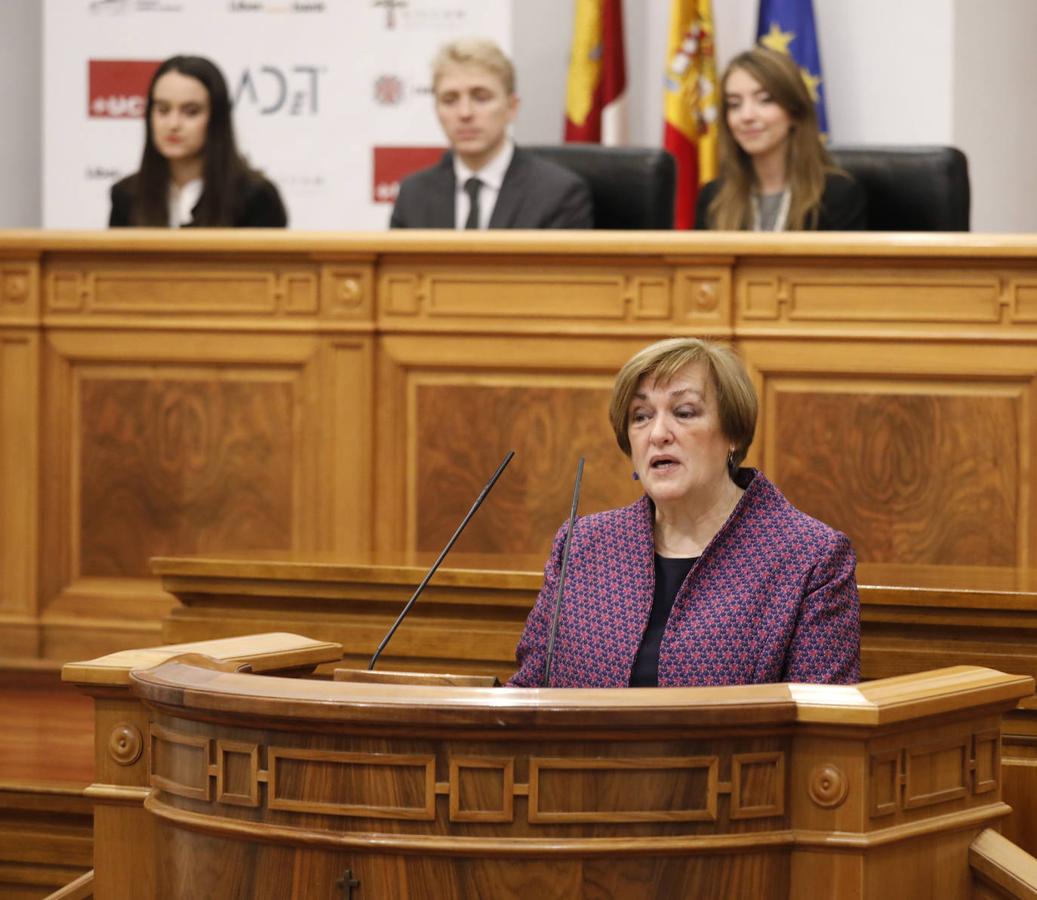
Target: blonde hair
(806,162)
(475,52)
(737,405)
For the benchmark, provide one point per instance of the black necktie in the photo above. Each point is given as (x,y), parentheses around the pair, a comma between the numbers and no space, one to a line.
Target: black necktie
(471,188)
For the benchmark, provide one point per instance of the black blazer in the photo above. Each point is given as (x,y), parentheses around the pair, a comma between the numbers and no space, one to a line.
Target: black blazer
(843,205)
(257,204)
(535,193)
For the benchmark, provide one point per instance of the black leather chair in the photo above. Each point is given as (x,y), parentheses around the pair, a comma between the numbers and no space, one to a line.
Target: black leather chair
(632,187)
(910,188)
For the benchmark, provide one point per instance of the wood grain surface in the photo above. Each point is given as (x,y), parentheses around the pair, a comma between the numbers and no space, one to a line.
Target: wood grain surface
(463,432)
(193,466)
(911,478)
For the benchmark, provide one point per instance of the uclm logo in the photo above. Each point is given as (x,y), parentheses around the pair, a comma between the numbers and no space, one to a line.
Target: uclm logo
(118,88)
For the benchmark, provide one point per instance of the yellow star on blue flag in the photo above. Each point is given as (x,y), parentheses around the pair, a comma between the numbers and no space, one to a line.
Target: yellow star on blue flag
(788,27)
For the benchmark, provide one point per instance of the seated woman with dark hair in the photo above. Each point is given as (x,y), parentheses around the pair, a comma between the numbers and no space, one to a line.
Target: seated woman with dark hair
(712,577)
(775,174)
(191,172)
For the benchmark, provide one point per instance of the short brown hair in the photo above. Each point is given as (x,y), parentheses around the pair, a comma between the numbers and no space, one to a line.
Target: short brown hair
(736,397)
(475,52)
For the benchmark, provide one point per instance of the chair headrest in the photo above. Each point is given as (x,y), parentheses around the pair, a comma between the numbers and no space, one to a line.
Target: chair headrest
(632,187)
(910,188)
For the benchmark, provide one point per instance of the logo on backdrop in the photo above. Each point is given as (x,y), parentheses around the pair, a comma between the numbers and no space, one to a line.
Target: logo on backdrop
(118,88)
(393,164)
(388,91)
(102,173)
(428,17)
(121,7)
(260,6)
(390,7)
(293,91)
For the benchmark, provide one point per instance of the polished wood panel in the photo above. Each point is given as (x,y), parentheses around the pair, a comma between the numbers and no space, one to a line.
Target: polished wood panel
(169,464)
(46,734)
(907,474)
(46,764)
(544,423)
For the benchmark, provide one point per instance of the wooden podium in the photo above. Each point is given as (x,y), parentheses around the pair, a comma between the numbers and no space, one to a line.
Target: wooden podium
(267,786)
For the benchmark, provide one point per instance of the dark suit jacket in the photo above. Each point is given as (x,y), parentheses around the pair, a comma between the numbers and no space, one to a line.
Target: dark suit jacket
(535,193)
(843,205)
(257,204)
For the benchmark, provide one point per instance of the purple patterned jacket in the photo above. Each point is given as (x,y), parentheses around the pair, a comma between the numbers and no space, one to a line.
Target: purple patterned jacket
(773,598)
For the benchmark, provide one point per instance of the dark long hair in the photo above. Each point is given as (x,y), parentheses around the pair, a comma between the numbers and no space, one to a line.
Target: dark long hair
(223,168)
(806,161)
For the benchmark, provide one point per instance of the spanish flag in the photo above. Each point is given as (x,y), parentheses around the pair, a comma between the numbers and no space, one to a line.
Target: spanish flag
(691,102)
(595,107)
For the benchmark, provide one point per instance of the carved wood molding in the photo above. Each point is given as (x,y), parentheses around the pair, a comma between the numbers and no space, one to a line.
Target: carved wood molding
(393,786)
(928,773)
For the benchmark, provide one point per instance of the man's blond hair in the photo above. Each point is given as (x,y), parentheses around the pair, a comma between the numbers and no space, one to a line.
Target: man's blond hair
(475,52)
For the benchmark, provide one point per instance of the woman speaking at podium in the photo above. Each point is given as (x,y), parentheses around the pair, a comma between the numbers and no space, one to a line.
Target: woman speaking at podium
(191,172)
(712,577)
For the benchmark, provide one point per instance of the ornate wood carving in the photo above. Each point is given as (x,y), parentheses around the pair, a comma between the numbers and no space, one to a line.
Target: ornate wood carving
(925,773)
(482,789)
(935,773)
(19,291)
(229,289)
(574,790)
(179,763)
(358,779)
(828,786)
(125,744)
(237,773)
(757,785)
(346,292)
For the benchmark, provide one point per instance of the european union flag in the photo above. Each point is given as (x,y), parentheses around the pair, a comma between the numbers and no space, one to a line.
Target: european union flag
(788,27)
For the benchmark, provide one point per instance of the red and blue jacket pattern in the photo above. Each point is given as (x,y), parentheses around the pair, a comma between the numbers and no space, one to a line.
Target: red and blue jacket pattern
(773,598)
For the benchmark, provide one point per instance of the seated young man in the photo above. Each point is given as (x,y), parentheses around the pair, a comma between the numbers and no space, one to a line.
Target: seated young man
(484,180)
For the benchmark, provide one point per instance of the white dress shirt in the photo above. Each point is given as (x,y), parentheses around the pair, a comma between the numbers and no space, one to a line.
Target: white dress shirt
(492,177)
(182,200)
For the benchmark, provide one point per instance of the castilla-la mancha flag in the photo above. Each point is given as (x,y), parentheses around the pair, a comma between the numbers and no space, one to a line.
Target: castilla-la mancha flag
(595,99)
(691,103)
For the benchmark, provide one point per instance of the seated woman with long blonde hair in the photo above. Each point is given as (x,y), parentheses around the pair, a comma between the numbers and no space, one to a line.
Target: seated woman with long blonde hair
(775,174)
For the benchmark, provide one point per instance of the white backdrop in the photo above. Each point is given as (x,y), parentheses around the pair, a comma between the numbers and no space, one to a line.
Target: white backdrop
(318,86)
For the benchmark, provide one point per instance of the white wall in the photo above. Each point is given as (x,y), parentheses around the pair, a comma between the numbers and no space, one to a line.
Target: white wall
(897,71)
(21,75)
(888,66)
(995,89)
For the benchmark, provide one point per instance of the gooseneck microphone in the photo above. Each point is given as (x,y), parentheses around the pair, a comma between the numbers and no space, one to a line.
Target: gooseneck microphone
(561,575)
(435,565)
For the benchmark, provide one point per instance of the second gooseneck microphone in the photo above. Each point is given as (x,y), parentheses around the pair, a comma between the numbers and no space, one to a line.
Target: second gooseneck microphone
(446,550)
(561,575)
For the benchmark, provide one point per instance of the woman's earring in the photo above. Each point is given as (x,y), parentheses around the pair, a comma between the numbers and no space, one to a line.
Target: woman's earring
(731,461)
(637,477)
